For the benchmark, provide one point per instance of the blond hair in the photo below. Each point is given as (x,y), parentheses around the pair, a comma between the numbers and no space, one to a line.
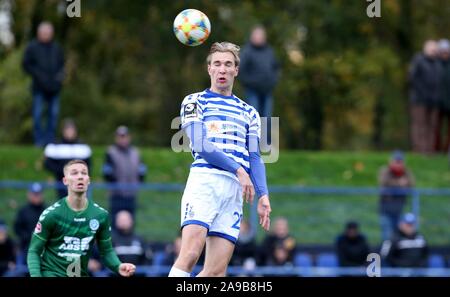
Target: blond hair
(76,161)
(224,47)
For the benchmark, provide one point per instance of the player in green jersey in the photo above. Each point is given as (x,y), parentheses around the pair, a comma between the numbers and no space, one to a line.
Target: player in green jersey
(65,233)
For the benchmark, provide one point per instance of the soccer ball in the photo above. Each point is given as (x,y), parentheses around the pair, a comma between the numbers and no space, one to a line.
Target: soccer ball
(191,27)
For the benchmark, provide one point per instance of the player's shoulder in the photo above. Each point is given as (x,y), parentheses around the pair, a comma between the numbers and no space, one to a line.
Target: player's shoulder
(98,209)
(249,109)
(193,98)
(51,211)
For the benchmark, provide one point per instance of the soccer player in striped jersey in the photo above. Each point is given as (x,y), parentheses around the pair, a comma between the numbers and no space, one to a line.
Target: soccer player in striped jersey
(62,241)
(224,132)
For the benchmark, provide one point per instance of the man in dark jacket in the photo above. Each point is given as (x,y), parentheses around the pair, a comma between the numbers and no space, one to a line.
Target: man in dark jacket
(128,246)
(351,246)
(406,248)
(424,80)
(124,168)
(7,250)
(44,61)
(28,216)
(68,148)
(258,73)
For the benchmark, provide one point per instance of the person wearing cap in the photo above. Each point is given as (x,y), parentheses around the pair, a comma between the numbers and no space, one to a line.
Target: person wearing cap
(124,168)
(443,143)
(351,246)
(68,148)
(407,247)
(27,217)
(395,180)
(7,250)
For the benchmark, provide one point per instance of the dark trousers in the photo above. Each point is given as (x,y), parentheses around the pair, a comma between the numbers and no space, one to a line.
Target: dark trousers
(424,122)
(43,136)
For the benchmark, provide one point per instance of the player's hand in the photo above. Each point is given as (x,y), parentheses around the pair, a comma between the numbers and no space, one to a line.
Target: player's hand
(264,210)
(127,269)
(248,191)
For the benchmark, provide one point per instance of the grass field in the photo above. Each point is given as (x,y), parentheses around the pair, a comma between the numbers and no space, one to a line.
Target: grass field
(313,218)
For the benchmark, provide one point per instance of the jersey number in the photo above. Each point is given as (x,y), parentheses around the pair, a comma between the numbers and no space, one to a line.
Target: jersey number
(236,224)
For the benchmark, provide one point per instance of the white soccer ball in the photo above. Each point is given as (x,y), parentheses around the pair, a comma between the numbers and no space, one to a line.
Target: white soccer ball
(191,27)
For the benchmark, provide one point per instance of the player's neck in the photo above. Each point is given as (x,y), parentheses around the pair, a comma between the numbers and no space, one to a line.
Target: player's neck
(224,92)
(77,201)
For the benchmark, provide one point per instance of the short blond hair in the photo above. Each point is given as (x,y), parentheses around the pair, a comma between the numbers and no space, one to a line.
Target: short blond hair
(224,47)
(76,161)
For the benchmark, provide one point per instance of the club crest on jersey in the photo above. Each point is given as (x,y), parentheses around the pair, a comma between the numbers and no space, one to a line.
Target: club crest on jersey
(94,224)
(190,110)
(38,228)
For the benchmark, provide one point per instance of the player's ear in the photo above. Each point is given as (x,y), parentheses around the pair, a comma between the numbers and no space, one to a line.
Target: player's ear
(65,182)
(237,71)
(209,69)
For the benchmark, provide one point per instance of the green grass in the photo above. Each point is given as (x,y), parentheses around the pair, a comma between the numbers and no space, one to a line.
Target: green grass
(313,218)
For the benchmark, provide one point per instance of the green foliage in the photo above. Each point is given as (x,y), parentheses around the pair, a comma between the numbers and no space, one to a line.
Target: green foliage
(343,80)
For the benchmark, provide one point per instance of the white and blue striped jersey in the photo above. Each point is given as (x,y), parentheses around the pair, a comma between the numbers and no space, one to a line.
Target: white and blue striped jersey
(229,122)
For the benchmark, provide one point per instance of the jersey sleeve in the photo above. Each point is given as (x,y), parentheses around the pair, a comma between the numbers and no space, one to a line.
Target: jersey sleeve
(41,234)
(191,110)
(255,124)
(105,247)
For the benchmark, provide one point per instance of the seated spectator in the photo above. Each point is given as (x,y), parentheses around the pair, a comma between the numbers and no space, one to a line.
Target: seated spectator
(351,246)
(58,154)
(245,248)
(280,256)
(7,250)
(172,251)
(27,217)
(129,247)
(279,234)
(407,248)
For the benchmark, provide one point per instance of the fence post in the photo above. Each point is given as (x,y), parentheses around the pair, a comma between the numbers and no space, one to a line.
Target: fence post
(416,206)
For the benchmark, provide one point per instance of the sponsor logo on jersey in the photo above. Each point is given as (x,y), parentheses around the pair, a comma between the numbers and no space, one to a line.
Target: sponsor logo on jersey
(75,243)
(38,228)
(79,219)
(94,224)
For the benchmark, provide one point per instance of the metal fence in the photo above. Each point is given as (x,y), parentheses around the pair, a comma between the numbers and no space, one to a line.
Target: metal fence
(315,214)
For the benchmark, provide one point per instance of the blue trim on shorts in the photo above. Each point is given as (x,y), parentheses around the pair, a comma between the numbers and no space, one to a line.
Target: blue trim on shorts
(223,235)
(195,222)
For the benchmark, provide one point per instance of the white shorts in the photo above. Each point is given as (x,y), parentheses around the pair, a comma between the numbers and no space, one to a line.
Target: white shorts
(213,201)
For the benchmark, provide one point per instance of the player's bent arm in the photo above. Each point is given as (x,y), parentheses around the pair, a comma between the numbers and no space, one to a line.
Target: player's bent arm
(108,255)
(196,132)
(257,170)
(35,250)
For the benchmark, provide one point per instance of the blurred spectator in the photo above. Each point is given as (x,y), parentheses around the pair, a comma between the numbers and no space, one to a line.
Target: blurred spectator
(27,217)
(406,248)
(44,61)
(280,256)
(279,235)
(444,114)
(68,148)
(424,80)
(7,250)
(129,247)
(394,180)
(172,251)
(259,73)
(351,246)
(245,250)
(123,166)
